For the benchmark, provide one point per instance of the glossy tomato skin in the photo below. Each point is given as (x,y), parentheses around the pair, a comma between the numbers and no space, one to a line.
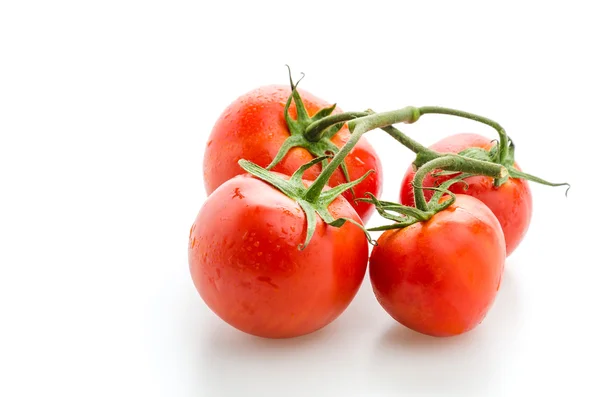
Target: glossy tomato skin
(511,202)
(441,277)
(245,263)
(253,128)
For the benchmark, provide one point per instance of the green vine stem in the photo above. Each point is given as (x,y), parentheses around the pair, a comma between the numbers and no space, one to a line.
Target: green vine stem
(317,127)
(453,163)
(503,146)
(358,127)
(503,153)
(315,131)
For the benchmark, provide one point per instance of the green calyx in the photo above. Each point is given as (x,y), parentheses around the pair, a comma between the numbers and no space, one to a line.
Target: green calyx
(503,152)
(492,156)
(317,141)
(509,163)
(295,189)
(404,216)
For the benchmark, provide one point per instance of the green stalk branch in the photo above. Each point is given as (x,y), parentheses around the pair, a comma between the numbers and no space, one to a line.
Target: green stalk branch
(358,127)
(457,163)
(314,130)
(503,147)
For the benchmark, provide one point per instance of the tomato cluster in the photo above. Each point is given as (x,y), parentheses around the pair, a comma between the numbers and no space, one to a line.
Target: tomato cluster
(279,248)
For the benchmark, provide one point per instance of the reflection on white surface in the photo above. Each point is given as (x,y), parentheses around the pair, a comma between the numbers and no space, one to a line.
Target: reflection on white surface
(363,353)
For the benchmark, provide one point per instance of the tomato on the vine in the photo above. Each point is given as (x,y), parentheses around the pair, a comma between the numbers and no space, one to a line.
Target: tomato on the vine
(440,276)
(246,263)
(254,128)
(511,202)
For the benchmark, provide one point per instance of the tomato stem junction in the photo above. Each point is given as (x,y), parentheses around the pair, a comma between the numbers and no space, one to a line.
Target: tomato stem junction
(453,162)
(358,127)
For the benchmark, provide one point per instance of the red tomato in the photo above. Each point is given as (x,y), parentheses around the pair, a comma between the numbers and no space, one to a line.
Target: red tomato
(441,277)
(511,202)
(246,265)
(253,128)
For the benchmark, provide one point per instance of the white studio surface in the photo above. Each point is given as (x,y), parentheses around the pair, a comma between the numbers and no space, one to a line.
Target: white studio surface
(105,108)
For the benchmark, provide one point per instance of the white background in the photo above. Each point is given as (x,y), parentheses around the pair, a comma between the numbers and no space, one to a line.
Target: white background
(104,110)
